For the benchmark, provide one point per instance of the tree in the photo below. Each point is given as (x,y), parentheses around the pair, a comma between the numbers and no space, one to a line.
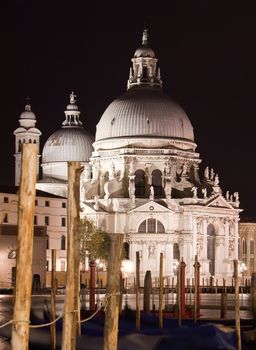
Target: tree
(95,243)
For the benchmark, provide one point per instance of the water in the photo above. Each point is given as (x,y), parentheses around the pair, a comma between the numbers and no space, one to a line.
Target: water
(208,303)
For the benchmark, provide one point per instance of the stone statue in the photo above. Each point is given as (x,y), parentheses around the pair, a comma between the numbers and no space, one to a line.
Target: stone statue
(152,193)
(131,186)
(95,173)
(151,251)
(184,170)
(96,199)
(72,97)
(212,174)
(227,196)
(231,198)
(216,180)
(167,169)
(112,172)
(206,173)
(194,190)
(204,191)
(131,167)
(236,195)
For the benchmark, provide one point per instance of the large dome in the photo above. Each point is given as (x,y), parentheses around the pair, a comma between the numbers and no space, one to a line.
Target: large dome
(68,144)
(144,112)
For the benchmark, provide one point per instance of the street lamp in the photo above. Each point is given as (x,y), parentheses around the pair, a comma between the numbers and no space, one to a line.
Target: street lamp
(243,269)
(99,266)
(127,268)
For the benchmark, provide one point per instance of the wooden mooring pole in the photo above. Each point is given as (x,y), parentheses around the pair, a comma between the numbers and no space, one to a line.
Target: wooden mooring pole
(113,293)
(26,207)
(253,295)
(138,291)
(237,305)
(161,291)
(70,307)
(53,300)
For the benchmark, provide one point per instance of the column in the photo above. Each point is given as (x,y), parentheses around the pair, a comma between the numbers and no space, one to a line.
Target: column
(194,237)
(226,232)
(204,259)
(236,240)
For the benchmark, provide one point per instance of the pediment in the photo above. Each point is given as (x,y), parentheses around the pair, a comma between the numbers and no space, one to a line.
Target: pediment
(218,201)
(151,206)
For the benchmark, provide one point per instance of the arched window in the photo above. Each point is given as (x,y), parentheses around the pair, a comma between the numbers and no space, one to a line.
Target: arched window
(251,256)
(143,227)
(139,183)
(251,247)
(211,248)
(47,242)
(244,250)
(126,250)
(19,146)
(63,242)
(157,182)
(34,141)
(151,226)
(176,251)
(160,227)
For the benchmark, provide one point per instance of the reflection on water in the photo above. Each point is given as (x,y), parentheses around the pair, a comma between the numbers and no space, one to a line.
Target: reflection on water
(212,301)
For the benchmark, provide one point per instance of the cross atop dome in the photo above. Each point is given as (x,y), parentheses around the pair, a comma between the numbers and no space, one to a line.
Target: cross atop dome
(145,37)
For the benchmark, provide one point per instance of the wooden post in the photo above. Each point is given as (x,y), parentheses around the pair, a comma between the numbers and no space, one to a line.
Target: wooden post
(26,207)
(92,265)
(237,305)
(112,293)
(138,291)
(253,294)
(70,307)
(53,300)
(223,305)
(77,261)
(161,291)
(196,289)
(182,290)
(178,296)
(147,292)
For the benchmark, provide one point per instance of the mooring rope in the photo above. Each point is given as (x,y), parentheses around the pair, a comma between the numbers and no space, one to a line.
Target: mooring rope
(60,316)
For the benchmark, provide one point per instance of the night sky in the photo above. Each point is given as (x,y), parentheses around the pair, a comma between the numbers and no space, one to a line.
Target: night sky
(207,56)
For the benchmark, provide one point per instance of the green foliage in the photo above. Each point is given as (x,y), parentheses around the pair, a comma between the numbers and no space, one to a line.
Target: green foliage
(94,241)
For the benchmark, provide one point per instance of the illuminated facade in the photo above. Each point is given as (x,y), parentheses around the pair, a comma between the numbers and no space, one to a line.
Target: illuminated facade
(141,178)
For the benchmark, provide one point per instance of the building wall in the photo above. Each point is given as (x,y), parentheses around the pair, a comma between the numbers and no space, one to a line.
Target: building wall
(50,212)
(247,246)
(8,246)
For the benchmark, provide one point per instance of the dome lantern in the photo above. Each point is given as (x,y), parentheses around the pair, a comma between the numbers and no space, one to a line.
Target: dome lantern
(71,142)
(144,71)
(72,113)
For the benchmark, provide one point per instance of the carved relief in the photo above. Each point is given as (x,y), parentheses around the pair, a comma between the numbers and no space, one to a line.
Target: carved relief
(231,247)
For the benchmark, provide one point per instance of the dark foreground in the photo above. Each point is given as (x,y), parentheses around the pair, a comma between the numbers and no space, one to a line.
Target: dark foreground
(202,335)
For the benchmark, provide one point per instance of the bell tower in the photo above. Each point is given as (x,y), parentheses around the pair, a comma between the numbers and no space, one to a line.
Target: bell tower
(25,133)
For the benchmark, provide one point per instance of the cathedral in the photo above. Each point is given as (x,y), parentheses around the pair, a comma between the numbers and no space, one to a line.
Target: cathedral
(141,176)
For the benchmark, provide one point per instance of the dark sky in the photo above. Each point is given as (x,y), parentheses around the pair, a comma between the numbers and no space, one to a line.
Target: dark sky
(207,56)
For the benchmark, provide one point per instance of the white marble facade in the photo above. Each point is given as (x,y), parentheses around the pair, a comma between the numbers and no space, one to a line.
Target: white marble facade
(141,178)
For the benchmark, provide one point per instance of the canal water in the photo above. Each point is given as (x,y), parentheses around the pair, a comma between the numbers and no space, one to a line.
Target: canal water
(210,304)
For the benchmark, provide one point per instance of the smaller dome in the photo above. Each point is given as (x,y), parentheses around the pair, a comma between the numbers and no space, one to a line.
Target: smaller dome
(27,114)
(144,51)
(68,144)
(72,107)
